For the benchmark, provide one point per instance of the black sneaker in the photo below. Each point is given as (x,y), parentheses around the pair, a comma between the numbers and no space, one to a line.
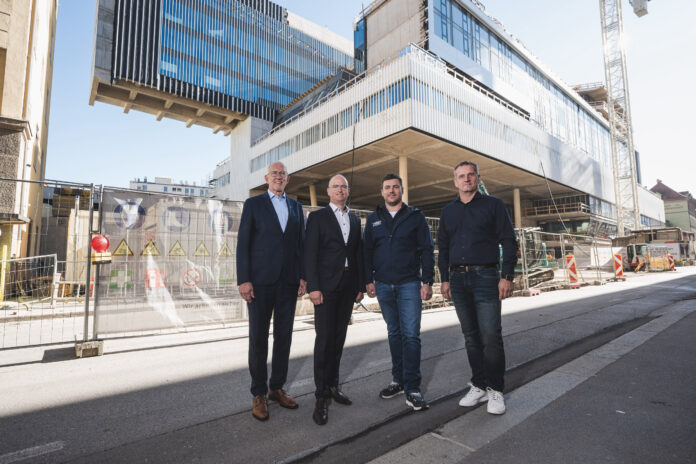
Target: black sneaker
(391,391)
(416,401)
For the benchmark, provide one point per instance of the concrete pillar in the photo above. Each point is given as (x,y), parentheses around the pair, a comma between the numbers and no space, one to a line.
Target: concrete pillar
(403,172)
(313,195)
(517,207)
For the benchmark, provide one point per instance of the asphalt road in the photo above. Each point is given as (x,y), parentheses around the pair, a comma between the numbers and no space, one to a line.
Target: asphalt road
(191,403)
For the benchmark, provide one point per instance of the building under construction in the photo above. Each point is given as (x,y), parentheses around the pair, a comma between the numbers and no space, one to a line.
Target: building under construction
(442,82)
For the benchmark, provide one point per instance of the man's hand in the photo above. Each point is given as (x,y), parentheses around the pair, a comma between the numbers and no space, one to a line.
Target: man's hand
(316,297)
(359,298)
(504,289)
(445,290)
(371,292)
(247,291)
(302,289)
(426,292)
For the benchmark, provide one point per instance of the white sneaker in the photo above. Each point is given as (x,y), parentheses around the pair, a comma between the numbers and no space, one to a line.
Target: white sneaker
(496,402)
(473,397)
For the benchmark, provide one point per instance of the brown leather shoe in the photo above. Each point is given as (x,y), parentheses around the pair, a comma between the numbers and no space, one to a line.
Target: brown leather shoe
(260,408)
(282,398)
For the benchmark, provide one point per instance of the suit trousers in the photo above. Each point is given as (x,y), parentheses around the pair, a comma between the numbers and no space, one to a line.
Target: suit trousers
(278,301)
(331,320)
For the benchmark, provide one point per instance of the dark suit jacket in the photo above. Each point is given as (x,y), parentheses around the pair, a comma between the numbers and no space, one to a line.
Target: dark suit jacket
(265,254)
(325,252)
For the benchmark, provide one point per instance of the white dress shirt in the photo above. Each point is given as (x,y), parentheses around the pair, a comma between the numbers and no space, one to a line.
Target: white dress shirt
(343,221)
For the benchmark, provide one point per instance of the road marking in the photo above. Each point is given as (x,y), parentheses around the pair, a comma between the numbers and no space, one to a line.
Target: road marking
(32,452)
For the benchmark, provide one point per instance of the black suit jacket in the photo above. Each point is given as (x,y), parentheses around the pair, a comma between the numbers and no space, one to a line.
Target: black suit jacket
(325,252)
(265,254)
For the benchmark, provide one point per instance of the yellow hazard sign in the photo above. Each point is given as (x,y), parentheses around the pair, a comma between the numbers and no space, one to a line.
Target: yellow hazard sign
(225,251)
(177,250)
(150,249)
(122,249)
(201,250)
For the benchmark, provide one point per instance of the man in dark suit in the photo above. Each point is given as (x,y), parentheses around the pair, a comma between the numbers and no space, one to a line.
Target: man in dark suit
(270,276)
(335,280)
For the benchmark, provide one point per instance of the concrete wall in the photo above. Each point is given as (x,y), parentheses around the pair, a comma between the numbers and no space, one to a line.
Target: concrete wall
(650,204)
(393,26)
(237,164)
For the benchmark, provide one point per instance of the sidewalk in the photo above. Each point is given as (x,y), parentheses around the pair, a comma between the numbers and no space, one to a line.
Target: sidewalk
(629,401)
(185,397)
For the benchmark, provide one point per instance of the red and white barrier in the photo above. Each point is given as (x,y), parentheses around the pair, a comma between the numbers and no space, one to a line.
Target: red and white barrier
(618,267)
(572,268)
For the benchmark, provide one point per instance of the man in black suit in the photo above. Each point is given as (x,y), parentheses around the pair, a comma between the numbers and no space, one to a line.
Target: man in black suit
(270,276)
(335,280)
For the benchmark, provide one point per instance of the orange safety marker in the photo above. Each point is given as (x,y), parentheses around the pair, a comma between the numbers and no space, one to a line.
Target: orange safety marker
(618,267)
(672,266)
(91,286)
(572,269)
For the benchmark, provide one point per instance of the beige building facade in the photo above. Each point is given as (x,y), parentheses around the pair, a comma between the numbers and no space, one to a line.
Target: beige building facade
(27,38)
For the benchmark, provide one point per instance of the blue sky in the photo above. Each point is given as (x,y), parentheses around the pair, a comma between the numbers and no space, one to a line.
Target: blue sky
(103,145)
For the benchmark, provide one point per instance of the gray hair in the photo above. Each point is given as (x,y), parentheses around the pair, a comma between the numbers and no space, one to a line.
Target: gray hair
(467,163)
(338,175)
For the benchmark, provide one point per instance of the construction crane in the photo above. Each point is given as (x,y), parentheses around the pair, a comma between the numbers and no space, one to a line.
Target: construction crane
(621,128)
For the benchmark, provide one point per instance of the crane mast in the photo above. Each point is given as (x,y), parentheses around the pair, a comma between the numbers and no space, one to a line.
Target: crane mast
(621,128)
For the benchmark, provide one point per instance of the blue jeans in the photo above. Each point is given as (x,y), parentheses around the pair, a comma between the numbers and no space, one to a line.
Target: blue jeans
(475,295)
(401,308)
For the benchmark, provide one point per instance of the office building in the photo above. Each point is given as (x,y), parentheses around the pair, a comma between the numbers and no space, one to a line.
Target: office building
(680,207)
(166,185)
(442,82)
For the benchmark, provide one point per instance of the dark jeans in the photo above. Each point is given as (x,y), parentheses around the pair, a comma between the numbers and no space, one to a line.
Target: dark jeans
(475,295)
(278,301)
(401,308)
(331,320)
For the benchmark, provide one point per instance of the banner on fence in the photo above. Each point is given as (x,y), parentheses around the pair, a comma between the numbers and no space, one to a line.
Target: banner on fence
(173,262)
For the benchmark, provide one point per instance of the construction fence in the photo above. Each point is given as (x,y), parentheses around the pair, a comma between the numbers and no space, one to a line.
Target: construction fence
(172,264)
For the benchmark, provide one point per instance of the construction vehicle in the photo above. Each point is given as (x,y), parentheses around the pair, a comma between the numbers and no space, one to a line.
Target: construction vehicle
(646,257)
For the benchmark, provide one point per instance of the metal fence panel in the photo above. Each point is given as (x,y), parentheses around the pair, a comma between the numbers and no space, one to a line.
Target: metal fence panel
(173,263)
(43,261)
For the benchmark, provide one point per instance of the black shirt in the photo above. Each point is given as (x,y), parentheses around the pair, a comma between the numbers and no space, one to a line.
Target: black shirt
(470,234)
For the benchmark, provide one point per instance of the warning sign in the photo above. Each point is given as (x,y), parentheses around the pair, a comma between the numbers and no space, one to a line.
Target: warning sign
(226,276)
(225,251)
(122,249)
(155,278)
(192,277)
(177,250)
(201,250)
(150,249)
(120,278)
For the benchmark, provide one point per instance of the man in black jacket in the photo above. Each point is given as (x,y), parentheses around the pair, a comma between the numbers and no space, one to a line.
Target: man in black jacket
(473,228)
(398,257)
(270,277)
(335,280)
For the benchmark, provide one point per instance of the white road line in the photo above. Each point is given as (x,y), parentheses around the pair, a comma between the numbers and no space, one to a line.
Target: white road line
(32,452)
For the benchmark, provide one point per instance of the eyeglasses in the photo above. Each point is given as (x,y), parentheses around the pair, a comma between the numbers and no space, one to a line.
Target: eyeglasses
(336,187)
(277,173)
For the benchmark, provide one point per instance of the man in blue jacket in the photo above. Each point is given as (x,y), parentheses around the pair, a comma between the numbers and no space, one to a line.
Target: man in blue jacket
(270,275)
(399,270)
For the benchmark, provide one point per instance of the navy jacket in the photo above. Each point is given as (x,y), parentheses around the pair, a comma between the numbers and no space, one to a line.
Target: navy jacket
(325,252)
(472,233)
(401,254)
(265,254)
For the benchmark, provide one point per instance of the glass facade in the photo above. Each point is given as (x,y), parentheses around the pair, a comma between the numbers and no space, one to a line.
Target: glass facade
(237,50)
(554,111)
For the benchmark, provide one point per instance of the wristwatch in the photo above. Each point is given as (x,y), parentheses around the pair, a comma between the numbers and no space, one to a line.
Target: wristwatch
(509,277)
(428,283)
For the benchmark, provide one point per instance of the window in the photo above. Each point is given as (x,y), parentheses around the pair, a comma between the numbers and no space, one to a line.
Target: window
(165,189)
(144,187)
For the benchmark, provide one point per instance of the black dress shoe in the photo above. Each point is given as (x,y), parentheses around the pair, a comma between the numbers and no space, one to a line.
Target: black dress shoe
(321,411)
(339,396)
